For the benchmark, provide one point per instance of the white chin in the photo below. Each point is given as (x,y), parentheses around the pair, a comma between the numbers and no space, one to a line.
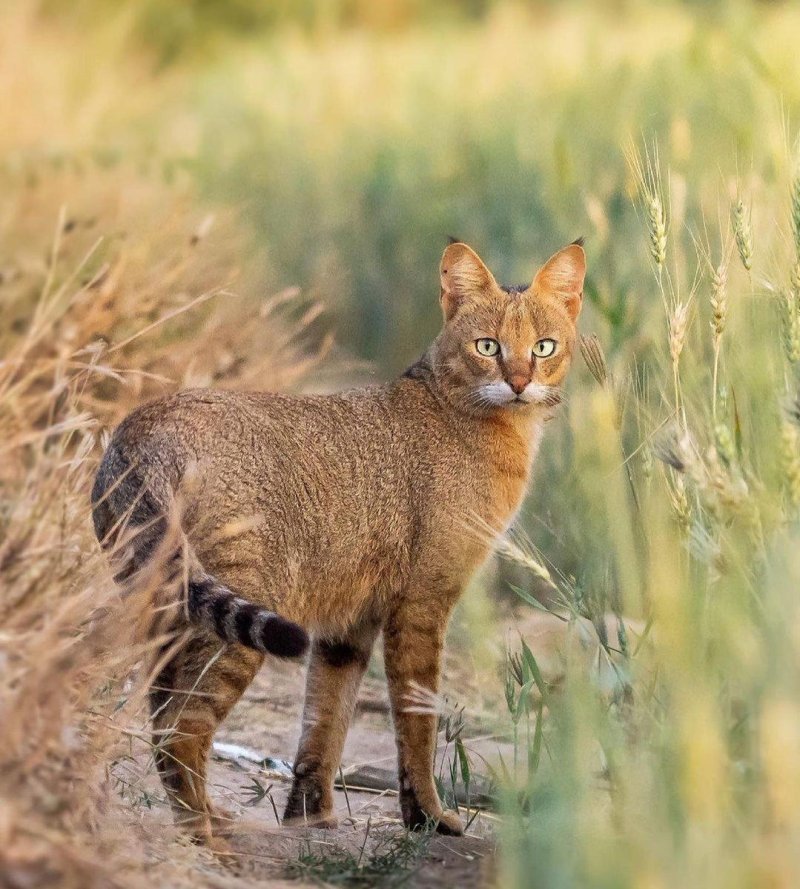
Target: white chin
(537,394)
(502,395)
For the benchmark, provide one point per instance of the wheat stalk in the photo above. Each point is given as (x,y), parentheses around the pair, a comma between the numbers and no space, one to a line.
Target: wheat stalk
(679,500)
(790,305)
(677,323)
(646,170)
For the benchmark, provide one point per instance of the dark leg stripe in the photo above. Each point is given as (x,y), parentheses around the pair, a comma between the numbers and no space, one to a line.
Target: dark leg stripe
(340,654)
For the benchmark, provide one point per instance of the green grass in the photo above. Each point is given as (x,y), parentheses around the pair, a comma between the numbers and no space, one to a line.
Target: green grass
(390,861)
(353,153)
(685,772)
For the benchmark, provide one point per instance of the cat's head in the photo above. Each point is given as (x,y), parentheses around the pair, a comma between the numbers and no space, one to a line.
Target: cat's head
(506,348)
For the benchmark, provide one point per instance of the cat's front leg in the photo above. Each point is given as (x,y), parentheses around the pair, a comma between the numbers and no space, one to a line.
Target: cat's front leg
(413,640)
(334,675)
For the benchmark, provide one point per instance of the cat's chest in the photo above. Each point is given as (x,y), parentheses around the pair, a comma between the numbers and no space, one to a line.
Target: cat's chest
(497,475)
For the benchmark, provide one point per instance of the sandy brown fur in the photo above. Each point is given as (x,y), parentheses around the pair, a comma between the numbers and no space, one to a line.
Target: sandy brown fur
(357,513)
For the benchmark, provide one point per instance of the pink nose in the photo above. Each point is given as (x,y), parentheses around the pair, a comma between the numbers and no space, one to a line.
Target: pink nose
(518,382)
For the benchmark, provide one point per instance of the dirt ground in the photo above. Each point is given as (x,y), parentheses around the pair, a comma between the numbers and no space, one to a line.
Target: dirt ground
(265,723)
(268,720)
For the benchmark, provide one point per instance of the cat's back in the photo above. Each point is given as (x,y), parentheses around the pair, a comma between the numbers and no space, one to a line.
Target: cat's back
(213,420)
(262,441)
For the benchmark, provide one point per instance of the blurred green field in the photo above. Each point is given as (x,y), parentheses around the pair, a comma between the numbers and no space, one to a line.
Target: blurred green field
(347,140)
(354,151)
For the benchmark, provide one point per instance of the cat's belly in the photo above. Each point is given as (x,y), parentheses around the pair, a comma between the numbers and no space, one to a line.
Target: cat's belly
(349,581)
(325,582)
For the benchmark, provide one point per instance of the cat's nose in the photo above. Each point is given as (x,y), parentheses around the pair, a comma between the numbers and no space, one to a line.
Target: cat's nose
(518,382)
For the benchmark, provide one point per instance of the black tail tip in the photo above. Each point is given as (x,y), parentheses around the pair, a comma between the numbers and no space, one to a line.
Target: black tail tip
(286,639)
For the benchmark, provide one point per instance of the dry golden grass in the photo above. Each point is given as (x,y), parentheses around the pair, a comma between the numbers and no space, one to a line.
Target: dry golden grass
(109,299)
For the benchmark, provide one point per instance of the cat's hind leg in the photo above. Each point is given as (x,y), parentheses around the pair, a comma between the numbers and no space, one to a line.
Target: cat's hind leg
(189,698)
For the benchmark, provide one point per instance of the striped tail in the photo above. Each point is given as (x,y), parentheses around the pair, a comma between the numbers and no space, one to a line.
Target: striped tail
(126,505)
(236,620)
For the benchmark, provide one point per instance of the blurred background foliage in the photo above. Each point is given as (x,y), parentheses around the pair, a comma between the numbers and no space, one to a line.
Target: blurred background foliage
(354,136)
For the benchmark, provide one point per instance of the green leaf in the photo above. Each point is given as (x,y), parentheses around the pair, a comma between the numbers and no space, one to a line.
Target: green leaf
(463,762)
(530,662)
(527,597)
(535,752)
(524,698)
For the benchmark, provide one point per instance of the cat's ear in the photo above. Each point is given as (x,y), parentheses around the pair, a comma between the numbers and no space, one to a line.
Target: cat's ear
(462,275)
(562,277)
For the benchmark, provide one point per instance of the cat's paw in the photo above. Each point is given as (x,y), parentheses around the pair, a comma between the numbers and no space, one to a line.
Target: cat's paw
(449,824)
(415,817)
(310,802)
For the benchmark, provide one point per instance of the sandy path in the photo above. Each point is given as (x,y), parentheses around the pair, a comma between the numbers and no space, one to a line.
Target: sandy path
(266,720)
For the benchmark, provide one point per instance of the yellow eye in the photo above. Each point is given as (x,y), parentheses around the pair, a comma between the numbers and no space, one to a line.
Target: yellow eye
(544,348)
(487,347)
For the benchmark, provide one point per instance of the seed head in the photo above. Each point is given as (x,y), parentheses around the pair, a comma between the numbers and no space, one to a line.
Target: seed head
(592,353)
(657,226)
(795,277)
(680,502)
(727,491)
(677,331)
(743,232)
(719,302)
(790,306)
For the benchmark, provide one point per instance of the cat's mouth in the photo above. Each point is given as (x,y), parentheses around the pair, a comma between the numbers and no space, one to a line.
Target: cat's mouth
(517,402)
(550,398)
(501,395)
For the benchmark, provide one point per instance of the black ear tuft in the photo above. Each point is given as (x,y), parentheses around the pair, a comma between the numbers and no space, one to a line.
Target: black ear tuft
(452,240)
(579,242)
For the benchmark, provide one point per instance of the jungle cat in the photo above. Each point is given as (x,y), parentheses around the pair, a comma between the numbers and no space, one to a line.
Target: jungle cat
(361,512)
